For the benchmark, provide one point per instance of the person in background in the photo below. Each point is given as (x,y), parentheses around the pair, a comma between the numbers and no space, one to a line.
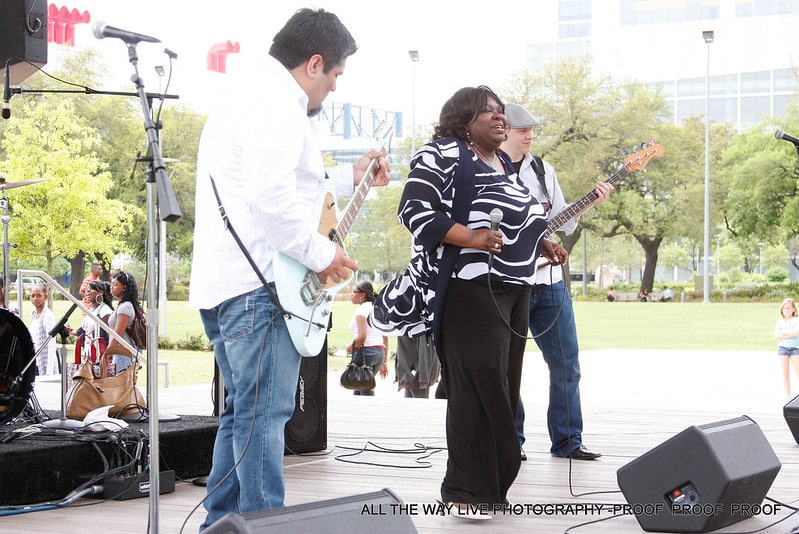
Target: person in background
(551,314)
(94,275)
(644,295)
(786,332)
(42,321)
(667,295)
(417,366)
(481,300)
(611,295)
(99,295)
(261,148)
(11,307)
(128,319)
(369,346)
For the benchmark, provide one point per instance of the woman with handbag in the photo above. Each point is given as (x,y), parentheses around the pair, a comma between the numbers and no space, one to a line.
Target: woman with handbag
(128,320)
(93,339)
(369,347)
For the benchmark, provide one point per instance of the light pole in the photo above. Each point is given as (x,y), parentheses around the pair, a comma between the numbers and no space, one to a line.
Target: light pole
(708,37)
(414,55)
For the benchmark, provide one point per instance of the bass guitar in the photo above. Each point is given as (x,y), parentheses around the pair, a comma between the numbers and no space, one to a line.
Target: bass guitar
(301,292)
(634,162)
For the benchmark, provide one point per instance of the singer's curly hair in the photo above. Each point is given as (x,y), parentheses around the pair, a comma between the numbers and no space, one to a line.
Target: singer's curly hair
(461,109)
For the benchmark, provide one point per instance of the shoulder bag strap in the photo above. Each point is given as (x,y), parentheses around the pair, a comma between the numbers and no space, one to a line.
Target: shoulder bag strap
(235,235)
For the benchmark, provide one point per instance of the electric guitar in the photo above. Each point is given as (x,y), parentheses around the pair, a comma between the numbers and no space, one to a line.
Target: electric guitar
(634,162)
(302,294)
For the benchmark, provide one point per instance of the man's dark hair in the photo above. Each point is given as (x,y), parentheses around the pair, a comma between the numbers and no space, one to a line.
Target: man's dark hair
(310,32)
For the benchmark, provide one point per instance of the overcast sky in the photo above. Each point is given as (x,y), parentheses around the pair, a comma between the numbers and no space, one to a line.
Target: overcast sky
(460,44)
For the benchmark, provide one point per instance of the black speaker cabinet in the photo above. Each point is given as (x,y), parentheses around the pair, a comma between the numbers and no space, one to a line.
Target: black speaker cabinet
(306,431)
(23,36)
(791,413)
(379,511)
(704,478)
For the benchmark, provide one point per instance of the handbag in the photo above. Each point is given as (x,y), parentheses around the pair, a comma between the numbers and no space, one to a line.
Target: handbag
(358,377)
(87,393)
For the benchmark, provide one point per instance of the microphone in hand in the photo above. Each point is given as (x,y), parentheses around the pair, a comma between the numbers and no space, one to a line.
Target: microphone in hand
(496,218)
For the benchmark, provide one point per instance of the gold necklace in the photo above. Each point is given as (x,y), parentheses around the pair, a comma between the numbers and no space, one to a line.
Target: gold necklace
(493,164)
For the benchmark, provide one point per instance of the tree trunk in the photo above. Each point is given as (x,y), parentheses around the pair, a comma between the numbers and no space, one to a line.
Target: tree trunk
(650,246)
(77,273)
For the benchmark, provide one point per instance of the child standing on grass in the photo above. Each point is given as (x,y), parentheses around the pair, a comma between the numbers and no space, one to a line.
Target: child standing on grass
(787,334)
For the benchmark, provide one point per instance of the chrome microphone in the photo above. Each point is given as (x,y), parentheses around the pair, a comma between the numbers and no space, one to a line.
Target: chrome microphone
(496,218)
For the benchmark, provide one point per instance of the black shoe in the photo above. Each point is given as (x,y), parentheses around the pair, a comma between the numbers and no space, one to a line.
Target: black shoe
(582,453)
(524,456)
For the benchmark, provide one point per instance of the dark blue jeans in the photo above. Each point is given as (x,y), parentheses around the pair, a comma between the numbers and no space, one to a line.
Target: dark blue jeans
(551,308)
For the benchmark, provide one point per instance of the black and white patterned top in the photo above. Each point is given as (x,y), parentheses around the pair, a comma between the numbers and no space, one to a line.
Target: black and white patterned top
(427,212)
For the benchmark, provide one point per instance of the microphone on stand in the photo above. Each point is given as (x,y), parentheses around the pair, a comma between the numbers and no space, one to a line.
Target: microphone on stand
(779,134)
(102,30)
(496,218)
(7,93)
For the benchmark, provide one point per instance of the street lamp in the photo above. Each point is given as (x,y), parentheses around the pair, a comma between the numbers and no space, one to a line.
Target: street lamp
(414,55)
(708,37)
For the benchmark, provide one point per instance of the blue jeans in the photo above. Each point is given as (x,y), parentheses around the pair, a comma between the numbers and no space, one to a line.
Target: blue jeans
(260,368)
(373,357)
(558,345)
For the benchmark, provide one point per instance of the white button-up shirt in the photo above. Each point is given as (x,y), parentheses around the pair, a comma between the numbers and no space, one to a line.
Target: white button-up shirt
(264,155)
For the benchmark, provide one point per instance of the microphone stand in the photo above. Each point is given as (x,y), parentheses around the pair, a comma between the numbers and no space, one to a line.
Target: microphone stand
(170,211)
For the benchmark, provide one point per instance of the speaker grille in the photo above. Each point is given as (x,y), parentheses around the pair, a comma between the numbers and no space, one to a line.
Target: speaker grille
(306,431)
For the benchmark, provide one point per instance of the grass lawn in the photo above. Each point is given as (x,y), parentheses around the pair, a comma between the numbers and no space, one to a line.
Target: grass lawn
(600,325)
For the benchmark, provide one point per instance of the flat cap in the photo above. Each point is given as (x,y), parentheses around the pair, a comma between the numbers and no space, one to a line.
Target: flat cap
(519,117)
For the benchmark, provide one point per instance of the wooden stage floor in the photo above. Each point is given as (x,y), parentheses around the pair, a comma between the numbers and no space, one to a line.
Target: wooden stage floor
(632,402)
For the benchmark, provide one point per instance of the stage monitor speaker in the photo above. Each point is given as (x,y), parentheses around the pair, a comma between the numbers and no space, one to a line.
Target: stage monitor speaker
(23,37)
(791,413)
(306,431)
(704,478)
(379,511)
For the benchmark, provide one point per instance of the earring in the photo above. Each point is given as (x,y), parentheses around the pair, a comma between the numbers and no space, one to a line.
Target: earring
(469,137)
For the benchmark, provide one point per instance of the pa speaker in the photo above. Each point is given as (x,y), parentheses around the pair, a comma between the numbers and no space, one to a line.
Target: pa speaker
(379,511)
(791,413)
(306,431)
(23,37)
(704,478)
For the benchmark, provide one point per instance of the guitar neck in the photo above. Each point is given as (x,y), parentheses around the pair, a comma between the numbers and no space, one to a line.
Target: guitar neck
(354,206)
(571,211)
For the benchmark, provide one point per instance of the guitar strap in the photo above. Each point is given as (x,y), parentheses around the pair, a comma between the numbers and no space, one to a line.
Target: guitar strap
(255,268)
(538,166)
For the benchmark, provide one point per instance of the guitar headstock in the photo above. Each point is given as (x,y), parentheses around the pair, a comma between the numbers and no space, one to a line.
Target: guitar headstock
(638,160)
(383,135)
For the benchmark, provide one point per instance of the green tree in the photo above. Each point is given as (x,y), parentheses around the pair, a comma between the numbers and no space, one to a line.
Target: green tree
(378,241)
(589,125)
(69,212)
(762,205)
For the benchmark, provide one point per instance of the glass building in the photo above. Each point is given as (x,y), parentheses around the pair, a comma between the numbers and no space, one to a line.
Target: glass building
(751,65)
